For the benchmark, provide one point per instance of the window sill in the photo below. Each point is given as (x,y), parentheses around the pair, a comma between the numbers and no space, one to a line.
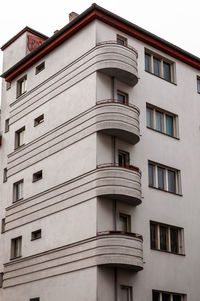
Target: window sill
(148,127)
(161,78)
(163,251)
(179,194)
(32,239)
(18,200)
(13,258)
(18,96)
(19,147)
(38,123)
(33,181)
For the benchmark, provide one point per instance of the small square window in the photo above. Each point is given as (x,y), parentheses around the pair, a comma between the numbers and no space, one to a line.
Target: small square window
(39,68)
(19,137)
(36,234)
(121,40)
(124,222)
(21,86)
(198,84)
(39,120)
(122,97)
(37,176)
(8,85)
(18,191)
(16,247)
(6,125)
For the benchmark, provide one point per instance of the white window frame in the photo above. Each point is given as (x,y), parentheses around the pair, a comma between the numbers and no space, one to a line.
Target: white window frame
(165,113)
(166,185)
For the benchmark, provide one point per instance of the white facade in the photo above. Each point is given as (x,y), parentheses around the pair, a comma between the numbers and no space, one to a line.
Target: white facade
(83,191)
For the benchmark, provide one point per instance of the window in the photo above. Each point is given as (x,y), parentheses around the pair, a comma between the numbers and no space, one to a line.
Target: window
(8,85)
(18,190)
(6,125)
(16,247)
(122,97)
(3,225)
(39,68)
(21,85)
(36,234)
(159,66)
(1,279)
(37,176)
(165,296)
(121,40)
(123,158)
(198,84)
(34,299)
(39,120)
(19,137)
(164,178)
(126,293)
(162,121)
(166,238)
(5,175)
(124,222)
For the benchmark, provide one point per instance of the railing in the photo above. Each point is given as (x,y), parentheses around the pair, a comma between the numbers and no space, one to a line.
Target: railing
(128,166)
(135,235)
(115,42)
(109,100)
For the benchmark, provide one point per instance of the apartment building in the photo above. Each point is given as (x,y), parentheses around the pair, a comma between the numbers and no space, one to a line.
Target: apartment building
(100,144)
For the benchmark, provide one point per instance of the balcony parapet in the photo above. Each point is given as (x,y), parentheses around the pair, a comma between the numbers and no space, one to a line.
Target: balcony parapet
(119,61)
(118,119)
(117,182)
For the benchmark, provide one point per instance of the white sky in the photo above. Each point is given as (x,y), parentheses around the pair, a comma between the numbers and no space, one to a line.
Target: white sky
(177,21)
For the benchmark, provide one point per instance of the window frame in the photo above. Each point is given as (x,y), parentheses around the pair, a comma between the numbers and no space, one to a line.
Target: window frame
(15,190)
(183,296)
(18,144)
(123,39)
(16,252)
(198,84)
(35,179)
(126,156)
(165,114)
(22,86)
(123,94)
(178,190)
(162,60)
(38,120)
(34,234)
(40,68)
(128,221)
(180,239)
(6,125)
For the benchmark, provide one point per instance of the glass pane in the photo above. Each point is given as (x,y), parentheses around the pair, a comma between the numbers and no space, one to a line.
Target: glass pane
(177,298)
(21,138)
(153,236)
(166,71)
(159,121)
(161,178)
(163,238)
(165,297)
(121,98)
(149,117)
(171,181)
(123,159)
(174,240)
(169,125)
(151,169)
(156,296)
(156,66)
(198,85)
(147,62)
(123,223)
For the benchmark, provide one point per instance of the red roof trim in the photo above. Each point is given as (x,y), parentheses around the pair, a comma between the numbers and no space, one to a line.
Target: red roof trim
(26,29)
(114,22)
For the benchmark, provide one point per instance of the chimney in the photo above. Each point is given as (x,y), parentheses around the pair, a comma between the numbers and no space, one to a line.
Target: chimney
(72,16)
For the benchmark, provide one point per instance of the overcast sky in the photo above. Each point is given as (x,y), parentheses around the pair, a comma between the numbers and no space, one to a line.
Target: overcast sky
(177,21)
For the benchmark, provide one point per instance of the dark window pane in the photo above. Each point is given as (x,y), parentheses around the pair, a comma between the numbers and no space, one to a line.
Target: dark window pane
(151,169)
(165,297)
(123,223)
(156,66)
(169,125)
(153,236)
(174,240)
(147,62)
(171,181)
(161,179)
(198,85)
(156,296)
(176,297)
(121,98)
(166,71)
(149,117)
(159,121)
(163,238)
(123,158)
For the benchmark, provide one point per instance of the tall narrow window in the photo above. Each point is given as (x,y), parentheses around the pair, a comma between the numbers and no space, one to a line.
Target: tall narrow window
(3,223)
(161,178)
(163,238)
(123,158)
(151,171)
(159,121)
(171,181)
(169,125)
(147,62)
(156,66)
(150,117)
(124,222)
(16,247)
(166,71)
(18,190)
(6,125)
(126,293)
(153,236)
(21,85)
(19,137)
(5,175)
(198,84)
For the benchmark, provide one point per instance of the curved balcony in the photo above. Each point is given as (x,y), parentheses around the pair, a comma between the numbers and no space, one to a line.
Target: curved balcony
(120,249)
(119,183)
(118,61)
(117,119)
